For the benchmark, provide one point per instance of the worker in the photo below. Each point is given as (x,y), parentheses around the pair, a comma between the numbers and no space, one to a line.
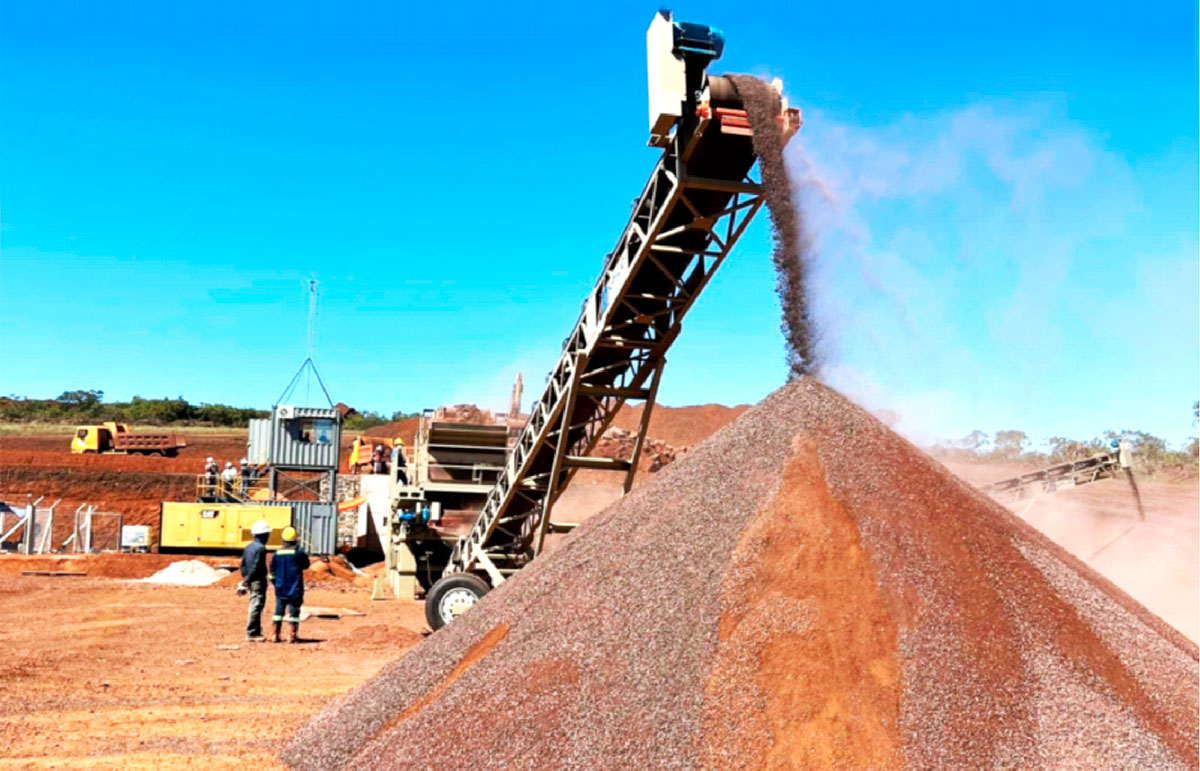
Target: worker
(355,447)
(247,476)
(377,460)
(210,478)
(254,578)
(228,480)
(287,574)
(398,463)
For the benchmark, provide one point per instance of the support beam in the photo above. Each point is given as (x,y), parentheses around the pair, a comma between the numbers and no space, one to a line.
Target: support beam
(560,452)
(490,568)
(643,426)
(596,464)
(613,392)
(620,342)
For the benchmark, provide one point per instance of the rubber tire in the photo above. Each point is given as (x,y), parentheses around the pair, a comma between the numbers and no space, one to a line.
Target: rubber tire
(442,586)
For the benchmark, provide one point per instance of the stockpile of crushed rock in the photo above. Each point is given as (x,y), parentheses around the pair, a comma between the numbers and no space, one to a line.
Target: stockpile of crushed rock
(187,573)
(803,589)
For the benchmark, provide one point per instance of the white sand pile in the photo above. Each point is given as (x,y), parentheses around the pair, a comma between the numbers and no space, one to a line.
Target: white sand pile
(187,573)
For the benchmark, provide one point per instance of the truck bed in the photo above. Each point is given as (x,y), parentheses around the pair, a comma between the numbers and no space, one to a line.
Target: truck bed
(146,442)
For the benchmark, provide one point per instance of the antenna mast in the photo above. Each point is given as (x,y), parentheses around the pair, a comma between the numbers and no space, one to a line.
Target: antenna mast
(312,333)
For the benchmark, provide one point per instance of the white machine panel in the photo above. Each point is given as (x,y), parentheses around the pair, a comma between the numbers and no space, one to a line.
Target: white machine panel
(666,77)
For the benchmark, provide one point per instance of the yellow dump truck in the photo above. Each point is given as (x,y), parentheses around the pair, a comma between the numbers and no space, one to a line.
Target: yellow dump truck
(113,437)
(204,526)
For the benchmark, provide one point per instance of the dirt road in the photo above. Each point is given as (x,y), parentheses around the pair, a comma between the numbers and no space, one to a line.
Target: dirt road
(108,673)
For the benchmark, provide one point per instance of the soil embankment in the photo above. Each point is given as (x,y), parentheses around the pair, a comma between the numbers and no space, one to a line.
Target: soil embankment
(680,426)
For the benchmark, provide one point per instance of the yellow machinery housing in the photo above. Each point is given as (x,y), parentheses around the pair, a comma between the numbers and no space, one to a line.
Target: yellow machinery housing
(218,525)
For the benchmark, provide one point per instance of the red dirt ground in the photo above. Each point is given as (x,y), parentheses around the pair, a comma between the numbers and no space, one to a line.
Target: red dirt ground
(106,673)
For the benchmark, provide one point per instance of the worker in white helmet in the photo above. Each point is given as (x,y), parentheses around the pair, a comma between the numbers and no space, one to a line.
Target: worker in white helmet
(254,578)
(246,472)
(210,478)
(228,480)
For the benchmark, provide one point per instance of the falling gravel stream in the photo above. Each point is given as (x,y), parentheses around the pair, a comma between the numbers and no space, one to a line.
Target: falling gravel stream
(793,246)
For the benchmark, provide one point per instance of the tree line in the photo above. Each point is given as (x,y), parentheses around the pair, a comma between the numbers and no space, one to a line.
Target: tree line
(88,406)
(1150,453)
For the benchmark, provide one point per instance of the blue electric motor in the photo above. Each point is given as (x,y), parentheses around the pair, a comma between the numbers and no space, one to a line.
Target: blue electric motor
(415,516)
(693,39)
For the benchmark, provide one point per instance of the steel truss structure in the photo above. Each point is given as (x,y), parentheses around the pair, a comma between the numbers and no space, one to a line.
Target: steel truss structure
(1050,479)
(320,484)
(683,225)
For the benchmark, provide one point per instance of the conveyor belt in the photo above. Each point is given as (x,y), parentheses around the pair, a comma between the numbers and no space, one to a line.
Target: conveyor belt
(1051,478)
(696,204)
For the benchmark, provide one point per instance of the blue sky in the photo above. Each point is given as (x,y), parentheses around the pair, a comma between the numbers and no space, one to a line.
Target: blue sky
(1004,197)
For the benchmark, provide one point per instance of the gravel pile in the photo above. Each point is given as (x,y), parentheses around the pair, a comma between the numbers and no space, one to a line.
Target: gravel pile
(187,573)
(803,589)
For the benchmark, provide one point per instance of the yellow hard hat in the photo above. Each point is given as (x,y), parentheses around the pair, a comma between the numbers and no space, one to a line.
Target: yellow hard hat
(289,534)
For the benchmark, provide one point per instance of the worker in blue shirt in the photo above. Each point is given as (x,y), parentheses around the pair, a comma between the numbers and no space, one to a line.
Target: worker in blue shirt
(287,574)
(254,579)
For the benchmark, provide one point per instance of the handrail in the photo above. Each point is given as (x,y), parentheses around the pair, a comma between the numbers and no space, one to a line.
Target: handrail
(240,490)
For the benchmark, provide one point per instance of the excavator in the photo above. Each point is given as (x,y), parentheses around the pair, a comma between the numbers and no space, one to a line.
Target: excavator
(696,204)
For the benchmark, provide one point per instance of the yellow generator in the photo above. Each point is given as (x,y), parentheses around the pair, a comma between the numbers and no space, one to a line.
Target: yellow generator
(218,525)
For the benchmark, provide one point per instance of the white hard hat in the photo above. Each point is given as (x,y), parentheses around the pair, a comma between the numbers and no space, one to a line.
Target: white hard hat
(228,464)
(209,459)
(244,461)
(261,527)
